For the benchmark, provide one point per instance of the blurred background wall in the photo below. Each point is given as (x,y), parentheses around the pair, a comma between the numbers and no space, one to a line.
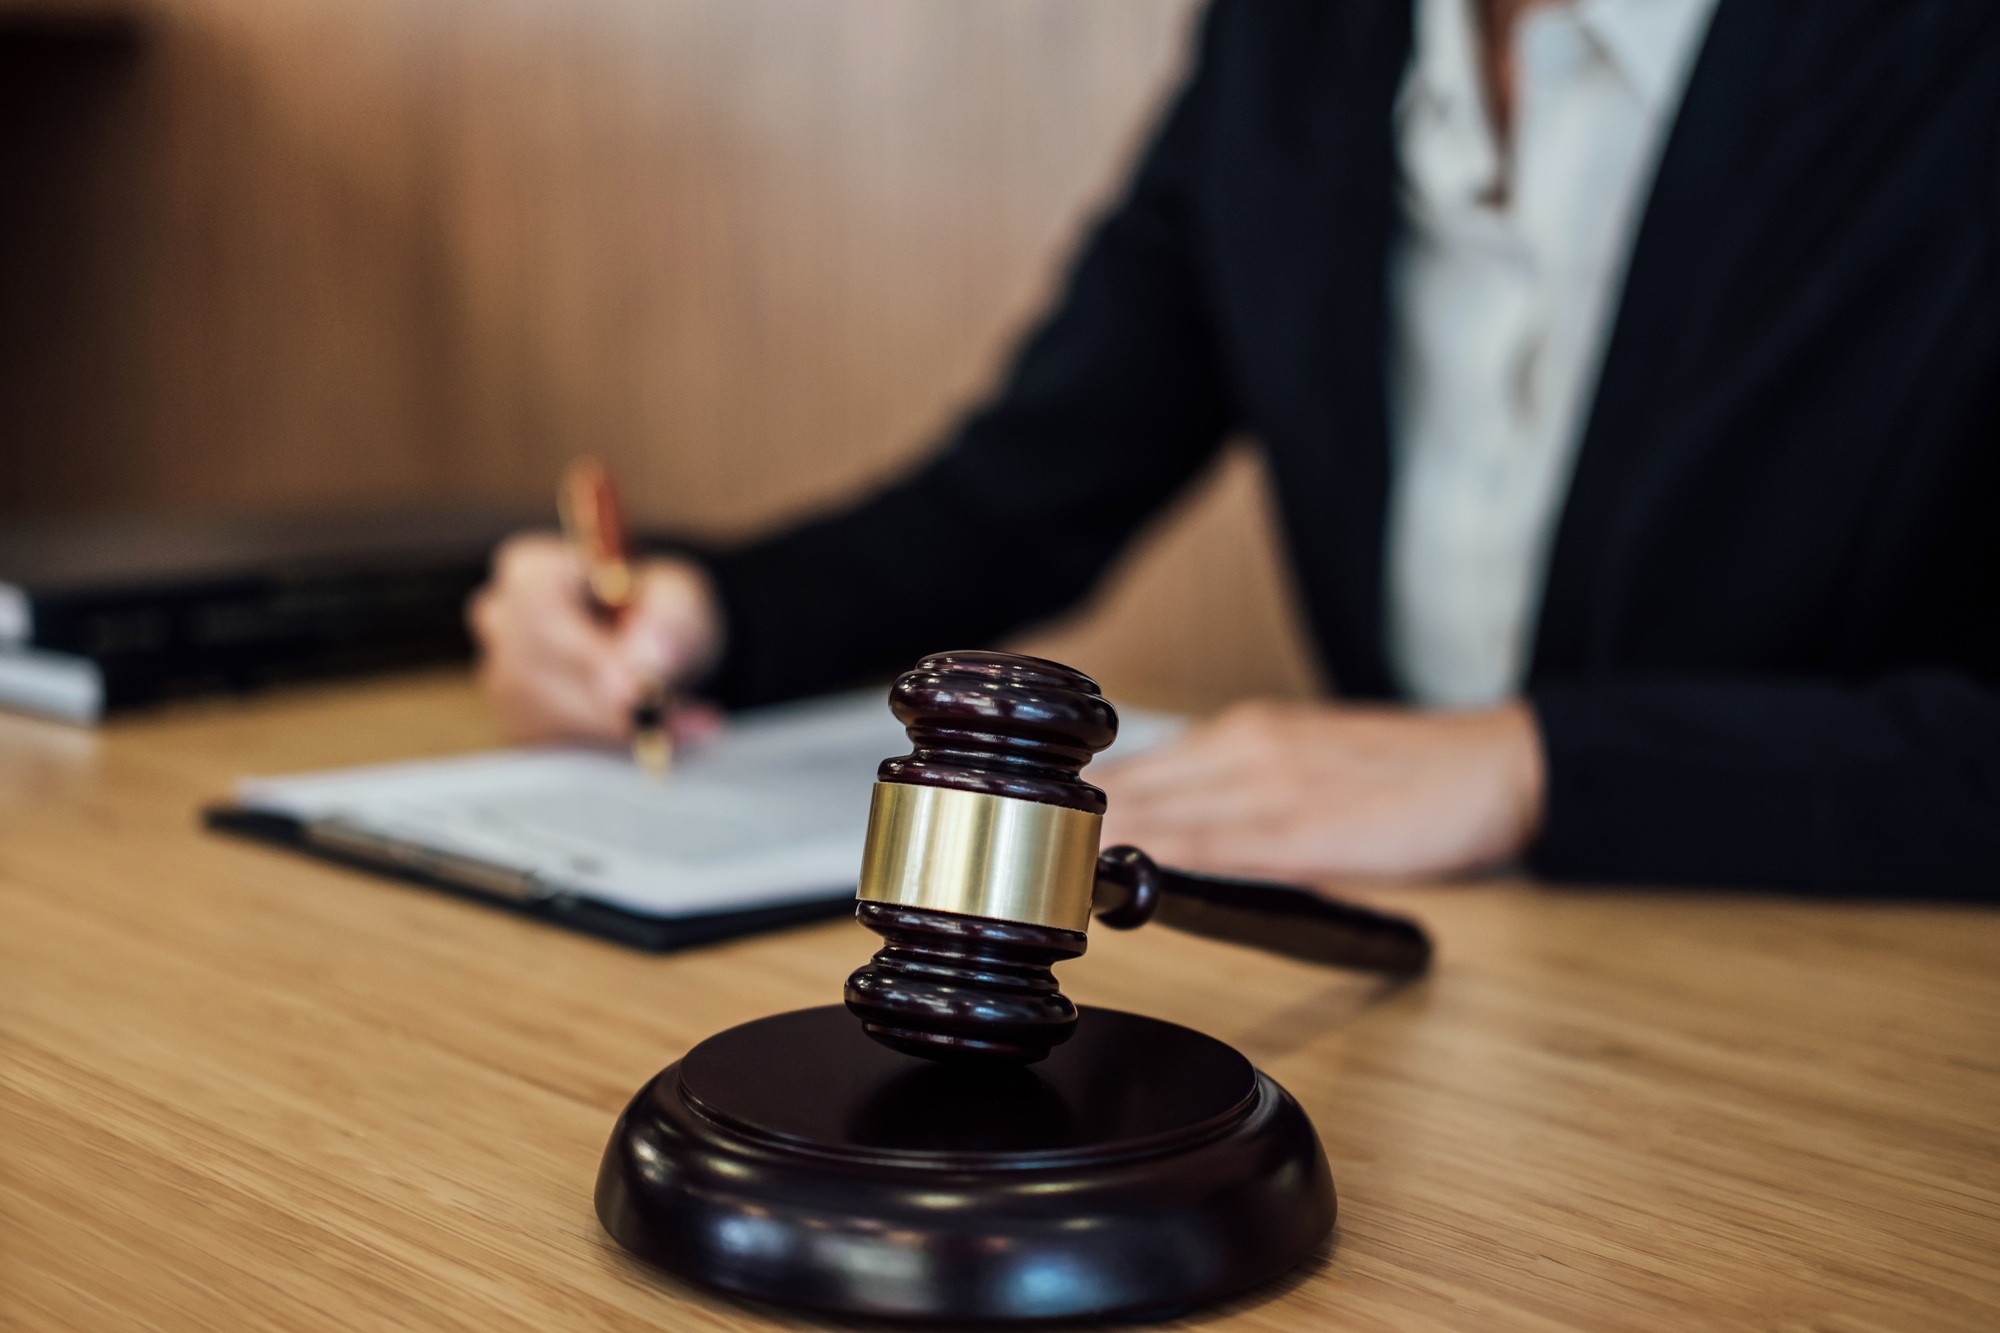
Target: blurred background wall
(265,255)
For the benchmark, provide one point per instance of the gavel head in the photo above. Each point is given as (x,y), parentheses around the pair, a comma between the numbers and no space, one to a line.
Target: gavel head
(981,858)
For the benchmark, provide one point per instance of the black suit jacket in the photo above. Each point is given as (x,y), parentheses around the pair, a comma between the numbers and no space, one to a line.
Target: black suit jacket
(1769,644)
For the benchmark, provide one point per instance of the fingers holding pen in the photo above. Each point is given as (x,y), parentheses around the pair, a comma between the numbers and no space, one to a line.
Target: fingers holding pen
(553,668)
(558,670)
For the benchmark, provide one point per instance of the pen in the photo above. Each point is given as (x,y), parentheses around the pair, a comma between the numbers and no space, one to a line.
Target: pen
(593,522)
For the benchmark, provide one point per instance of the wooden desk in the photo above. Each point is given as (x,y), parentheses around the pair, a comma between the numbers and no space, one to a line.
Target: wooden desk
(241,1090)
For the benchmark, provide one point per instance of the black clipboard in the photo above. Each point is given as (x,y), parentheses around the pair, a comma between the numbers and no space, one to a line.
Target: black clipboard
(638,930)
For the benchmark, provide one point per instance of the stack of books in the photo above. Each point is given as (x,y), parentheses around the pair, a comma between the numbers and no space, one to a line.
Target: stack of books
(108,613)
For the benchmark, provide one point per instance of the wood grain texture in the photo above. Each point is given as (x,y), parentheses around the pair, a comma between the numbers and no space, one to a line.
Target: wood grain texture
(239,1089)
(755,253)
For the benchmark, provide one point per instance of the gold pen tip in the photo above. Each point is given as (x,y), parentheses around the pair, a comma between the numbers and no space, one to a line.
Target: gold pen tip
(653,751)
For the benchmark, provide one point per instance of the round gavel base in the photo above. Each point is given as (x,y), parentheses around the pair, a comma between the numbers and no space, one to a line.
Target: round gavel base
(1141,1169)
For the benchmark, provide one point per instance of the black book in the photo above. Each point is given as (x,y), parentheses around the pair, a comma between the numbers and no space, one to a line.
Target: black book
(107,613)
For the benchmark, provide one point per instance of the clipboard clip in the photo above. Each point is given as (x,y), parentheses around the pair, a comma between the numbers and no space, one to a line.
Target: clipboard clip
(466,872)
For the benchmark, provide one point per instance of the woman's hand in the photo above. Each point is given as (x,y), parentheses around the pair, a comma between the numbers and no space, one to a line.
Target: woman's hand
(556,670)
(1320,791)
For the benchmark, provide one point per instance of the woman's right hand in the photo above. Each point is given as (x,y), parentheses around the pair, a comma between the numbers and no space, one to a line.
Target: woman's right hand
(555,670)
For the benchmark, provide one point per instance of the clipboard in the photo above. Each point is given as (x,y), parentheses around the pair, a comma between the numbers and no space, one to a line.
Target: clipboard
(497,887)
(758,829)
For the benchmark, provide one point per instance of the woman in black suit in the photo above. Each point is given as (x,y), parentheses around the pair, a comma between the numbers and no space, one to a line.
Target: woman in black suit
(1767,638)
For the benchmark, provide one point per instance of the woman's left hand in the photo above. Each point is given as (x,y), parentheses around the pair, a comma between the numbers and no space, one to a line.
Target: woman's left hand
(1319,791)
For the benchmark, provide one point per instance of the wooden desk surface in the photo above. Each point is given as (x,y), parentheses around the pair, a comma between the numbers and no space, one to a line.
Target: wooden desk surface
(242,1090)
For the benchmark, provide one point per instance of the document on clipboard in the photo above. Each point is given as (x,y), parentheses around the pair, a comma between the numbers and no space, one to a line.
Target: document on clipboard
(760,827)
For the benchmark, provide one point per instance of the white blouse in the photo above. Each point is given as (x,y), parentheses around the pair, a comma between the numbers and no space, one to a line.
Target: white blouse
(1500,313)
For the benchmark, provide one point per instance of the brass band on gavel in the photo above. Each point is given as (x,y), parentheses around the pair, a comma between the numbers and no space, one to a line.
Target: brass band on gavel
(976,854)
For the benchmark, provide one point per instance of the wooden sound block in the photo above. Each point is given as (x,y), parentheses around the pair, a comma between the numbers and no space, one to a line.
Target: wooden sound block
(1141,1169)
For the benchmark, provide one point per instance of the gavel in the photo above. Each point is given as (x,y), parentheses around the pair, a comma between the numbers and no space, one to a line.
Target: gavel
(982,870)
(1034,1163)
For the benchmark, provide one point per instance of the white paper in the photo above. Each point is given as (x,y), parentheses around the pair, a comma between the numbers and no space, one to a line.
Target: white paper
(773,811)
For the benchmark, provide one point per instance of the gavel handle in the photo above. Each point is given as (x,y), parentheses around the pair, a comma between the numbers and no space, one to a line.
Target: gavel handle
(1131,890)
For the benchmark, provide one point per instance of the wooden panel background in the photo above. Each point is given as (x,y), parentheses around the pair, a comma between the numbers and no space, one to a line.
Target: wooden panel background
(755,252)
